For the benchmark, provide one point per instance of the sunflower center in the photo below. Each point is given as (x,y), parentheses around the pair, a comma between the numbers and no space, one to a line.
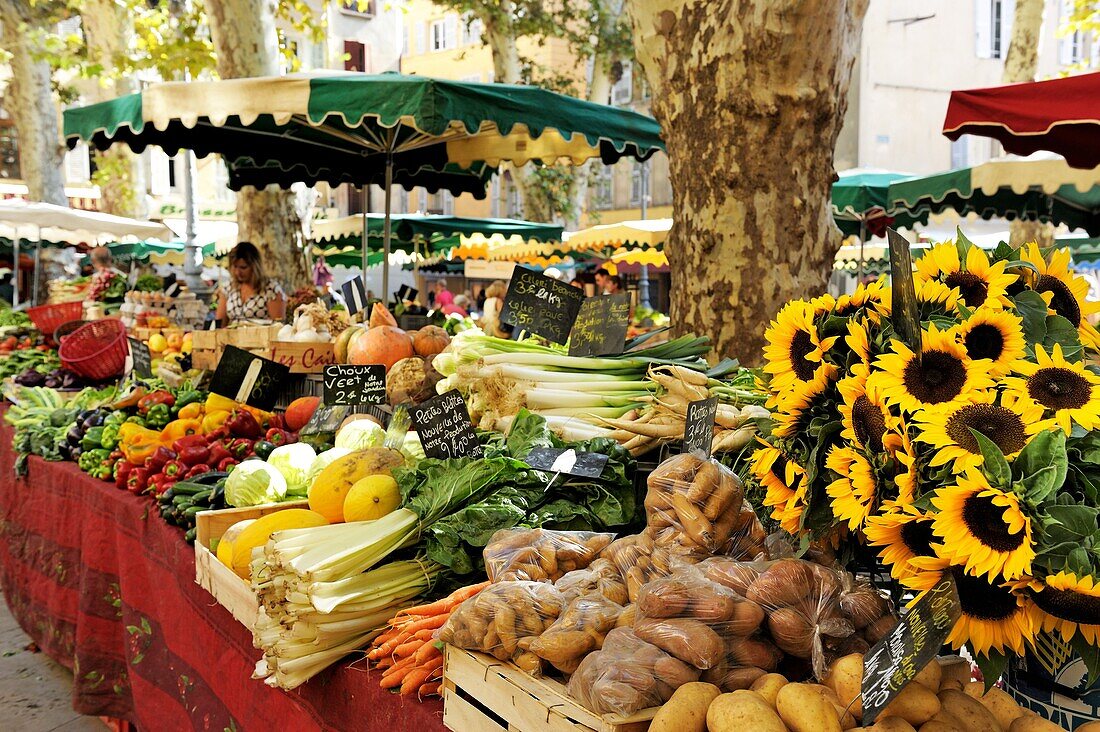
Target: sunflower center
(917,537)
(981,600)
(779,469)
(985,521)
(801,346)
(1003,427)
(1063,302)
(972,289)
(1059,388)
(984,341)
(1076,607)
(935,377)
(868,423)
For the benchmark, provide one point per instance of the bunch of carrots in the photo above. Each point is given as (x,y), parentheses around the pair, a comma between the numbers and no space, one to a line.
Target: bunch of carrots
(411,658)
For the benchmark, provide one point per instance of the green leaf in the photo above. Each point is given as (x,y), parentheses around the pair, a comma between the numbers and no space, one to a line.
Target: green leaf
(1060,331)
(1078,520)
(993,666)
(962,245)
(1033,309)
(1040,484)
(993,460)
(1004,251)
(1048,448)
(1090,654)
(964,310)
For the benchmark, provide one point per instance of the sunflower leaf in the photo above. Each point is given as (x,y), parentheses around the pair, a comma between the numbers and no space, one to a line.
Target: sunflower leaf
(1003,252)
(1032,308)
(1090,654)
(1041,484)
(1077,521)
(1047,448)
(993,666)
(993,461)
(1060,331)
(962,245)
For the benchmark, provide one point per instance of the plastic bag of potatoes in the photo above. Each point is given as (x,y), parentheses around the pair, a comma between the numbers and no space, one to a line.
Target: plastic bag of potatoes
(700,504)
(578,631)
(600,577)
(627,674)
(503,619)
(540,555)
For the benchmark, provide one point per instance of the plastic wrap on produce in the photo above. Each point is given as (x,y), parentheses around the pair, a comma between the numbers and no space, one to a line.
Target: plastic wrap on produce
(541,555)
(601,577)
(579,630)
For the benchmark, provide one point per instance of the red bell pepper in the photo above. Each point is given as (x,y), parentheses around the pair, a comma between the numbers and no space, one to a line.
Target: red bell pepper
(174,469)
(277,421)
(243,424)
(218,452)
(160,457)
(158,484)
(190,441)
(124,470)
(160,396)
(137,480)
(198,470)
(194,455)
(239,448)
(226,464)
(280,437)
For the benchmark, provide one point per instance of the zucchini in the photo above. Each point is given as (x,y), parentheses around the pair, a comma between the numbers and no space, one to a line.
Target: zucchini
(202,497)
(191,512)
(189,487)
(189,537)
(184,500)
(209,479)
(167,496)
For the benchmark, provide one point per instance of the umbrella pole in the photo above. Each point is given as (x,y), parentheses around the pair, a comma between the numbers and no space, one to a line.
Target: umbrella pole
(37,263)
(363,205)
(386,230)
(15,272)
(862,236)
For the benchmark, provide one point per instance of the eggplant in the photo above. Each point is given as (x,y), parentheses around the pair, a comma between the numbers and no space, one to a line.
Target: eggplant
(75,434)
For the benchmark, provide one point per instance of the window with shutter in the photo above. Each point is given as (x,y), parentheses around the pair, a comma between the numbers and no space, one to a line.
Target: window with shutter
(1071,48)
(622,92)
(983,24)
(77,168)
(421,32)
(158,172)
(450,31)
(471,30)
(355,56)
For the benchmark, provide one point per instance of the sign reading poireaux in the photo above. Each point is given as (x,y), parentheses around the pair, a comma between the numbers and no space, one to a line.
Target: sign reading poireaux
(600,327)
(352,384)
(248,378)
(541,305)
(910,646)
(443,425)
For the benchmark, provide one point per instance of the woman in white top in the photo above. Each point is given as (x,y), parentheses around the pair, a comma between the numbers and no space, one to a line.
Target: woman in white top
(251,296)
(494,301)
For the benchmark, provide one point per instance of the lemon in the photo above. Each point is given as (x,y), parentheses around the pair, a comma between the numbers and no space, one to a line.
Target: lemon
(157,343)
(371,498)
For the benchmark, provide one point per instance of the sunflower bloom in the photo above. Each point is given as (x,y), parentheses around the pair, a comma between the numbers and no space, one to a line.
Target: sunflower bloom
(855,490)
(863,411)
(906,471)
(1067,392)
(941,374)
(1068,604)
(900,537)
(780,475)
(997,335)
(864,295)
(792,407)
(1066,293)
(794,351)
(859,341)
(993,616)
(978,282)
(983,528)
(950,429)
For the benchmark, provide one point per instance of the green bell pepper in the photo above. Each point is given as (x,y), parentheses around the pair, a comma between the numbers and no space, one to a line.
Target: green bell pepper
(92,439)
(158,416)
(137,419)
(90,459)
(187,396)
(263,448)
(103,469)
(110,436)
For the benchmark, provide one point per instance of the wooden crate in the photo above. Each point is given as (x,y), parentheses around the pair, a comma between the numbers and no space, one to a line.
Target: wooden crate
(303,358)
(207,345)
(231,592)
(482,694)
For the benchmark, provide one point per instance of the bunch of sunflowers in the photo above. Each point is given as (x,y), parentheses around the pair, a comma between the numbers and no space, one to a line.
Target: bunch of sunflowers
(977,456)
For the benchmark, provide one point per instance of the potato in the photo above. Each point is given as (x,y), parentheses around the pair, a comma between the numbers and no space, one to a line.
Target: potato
(735,575)
(745,619)
(674,672)
(845,677)
(768,686)
(791,630)
(740,711)
(1032,722)
(954,668)
(689,640)
(974,716)
(1087,727)
(627,616)
(1002,706)
(805,710)
(755,652)
(915,704)
(863,606)
(945,717)
(935,725)
(784,583)
(930,676)
(847,721)
(974,689)
(742,677)
(879,629)
(686,711)
(890,724)
(951,684)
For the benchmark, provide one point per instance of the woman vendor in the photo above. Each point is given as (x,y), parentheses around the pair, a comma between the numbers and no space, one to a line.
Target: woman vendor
(251,296)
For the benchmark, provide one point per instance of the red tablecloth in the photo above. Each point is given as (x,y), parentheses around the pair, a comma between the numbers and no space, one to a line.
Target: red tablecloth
(107,589)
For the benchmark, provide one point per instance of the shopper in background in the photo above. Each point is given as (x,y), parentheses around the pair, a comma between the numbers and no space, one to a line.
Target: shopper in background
(614,285)
(490,312)
(460,307)
(443,296)
(602,278)
(251,296)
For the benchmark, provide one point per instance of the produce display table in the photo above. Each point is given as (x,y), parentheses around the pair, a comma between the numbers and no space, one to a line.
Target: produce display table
(107,589)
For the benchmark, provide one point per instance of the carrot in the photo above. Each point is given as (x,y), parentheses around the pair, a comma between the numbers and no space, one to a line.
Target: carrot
(433,621)
(465,593)
(429,688)
(408,649)
(418,675)
(387,647)
(384,662)
(393,675)
(428,650)
(432,608)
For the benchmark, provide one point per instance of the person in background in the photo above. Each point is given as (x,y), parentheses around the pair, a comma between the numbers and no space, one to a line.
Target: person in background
(443,296)
(490,312)
(102,261)
(480,299)
(578,283)
(322,275)
(251,296)
(460,306)
(602,278)
(614,285)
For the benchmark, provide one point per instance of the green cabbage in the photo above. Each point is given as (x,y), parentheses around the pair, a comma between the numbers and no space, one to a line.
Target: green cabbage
(293,462)
(360,435)
(322,461)
(254,482)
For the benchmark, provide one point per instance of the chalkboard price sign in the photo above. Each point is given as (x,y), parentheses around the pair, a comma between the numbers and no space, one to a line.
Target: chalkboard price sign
(541,305)
(143,360)
(699,425)
(353,385)
(248,378)
(910,646)
(570,462)
(600,327)
(443,426)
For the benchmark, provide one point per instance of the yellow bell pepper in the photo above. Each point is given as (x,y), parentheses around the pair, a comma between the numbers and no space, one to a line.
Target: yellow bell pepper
(180,428)
(138,443)
(218,403)
(194,410)
(214,420)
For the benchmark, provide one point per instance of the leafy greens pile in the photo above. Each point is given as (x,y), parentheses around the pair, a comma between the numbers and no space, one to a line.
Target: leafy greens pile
(511,494)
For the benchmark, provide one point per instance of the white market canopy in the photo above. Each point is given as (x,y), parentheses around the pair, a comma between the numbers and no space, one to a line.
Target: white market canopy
(36,220)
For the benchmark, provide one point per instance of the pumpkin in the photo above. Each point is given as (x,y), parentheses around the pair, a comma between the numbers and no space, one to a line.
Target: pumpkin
(430,340)
(379,316)
(299,412)
(385,345)
(343,342)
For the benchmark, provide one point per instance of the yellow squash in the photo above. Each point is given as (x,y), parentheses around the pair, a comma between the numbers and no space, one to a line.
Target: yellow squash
(257,533)
(328,491)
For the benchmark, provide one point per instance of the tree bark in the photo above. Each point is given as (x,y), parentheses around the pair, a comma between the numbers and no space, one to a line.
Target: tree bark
(750,95)
(500,35)
(108,31)
(246,44)
(1021,64)
(34,108)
